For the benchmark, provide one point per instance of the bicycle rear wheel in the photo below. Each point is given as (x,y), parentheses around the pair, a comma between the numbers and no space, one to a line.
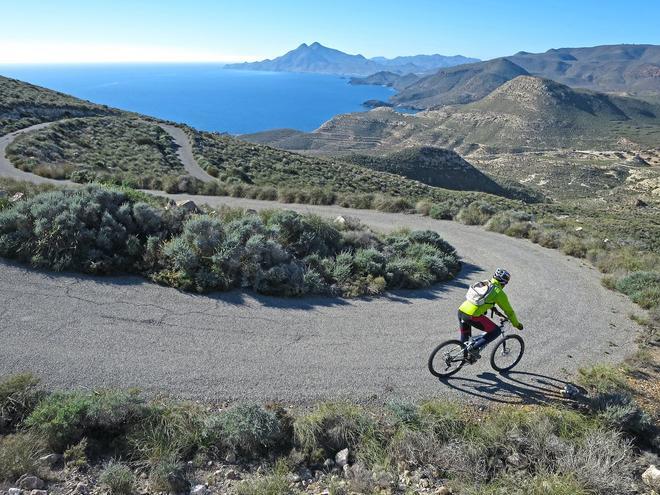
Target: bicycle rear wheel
(507,353)
(447,358)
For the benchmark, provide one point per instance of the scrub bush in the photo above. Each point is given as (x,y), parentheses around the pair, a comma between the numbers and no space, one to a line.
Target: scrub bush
(19,395)
(169,475)
(643,287)
(64,419)
(93,229)
(511,223)
(105,230)
(247,429)
(476,213)
(331,427)
(118,478)
(168,432)
(19,455)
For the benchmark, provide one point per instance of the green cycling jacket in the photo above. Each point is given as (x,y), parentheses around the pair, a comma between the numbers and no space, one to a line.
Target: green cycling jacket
(496,297)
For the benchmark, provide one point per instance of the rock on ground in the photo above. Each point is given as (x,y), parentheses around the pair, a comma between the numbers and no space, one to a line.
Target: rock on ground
(188,205)
(341,458)
(29,482)
(651,478)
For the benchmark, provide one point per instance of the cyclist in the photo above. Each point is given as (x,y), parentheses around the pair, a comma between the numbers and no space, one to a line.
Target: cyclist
(472,313)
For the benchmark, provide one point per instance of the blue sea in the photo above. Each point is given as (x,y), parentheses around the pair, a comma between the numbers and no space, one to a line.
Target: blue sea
(206,96)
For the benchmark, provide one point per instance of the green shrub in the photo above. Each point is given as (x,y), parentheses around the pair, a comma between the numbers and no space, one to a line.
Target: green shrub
(476,213)
(627,259)
(423,207)
(358,201)
(392,204)
(511,223)
(369,262)
(619,410)
(101,230)
(211,255)
(343,267)
(573,246)
(168,474)
(64,419)
(406,273)
(19,455)
(603,378)
(642,287)
(305,234)
(331,427)
(551,239)
(75,457)
(432,238)
(443,211)
(118,478)
(19,396)
(246,429)
(404,413)
(91,229)
(275,483)
(445,419)
(167,431)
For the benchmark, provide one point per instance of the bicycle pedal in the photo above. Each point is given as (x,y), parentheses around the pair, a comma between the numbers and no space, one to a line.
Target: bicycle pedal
(473,357)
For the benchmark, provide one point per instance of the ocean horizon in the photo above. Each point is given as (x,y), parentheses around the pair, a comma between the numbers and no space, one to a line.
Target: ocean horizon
(207,96)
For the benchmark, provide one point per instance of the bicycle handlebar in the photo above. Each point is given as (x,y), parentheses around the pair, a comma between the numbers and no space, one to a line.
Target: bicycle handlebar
(498,313)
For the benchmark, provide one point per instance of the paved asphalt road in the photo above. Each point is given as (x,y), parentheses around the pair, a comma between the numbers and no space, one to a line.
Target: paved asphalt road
(80,331)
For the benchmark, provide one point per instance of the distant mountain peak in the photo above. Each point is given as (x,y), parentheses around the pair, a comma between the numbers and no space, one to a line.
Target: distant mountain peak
(322,59)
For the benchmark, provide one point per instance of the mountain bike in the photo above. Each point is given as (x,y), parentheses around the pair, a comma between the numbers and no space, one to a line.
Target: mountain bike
(452,355)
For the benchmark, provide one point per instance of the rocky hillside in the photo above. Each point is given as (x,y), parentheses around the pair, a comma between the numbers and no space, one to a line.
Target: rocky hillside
(625,69)
(526,113)
(530,112)
(633,69)
(241,163)
(23,104)
(461,84)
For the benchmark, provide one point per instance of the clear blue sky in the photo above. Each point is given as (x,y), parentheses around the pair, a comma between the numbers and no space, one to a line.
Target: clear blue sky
(98,30)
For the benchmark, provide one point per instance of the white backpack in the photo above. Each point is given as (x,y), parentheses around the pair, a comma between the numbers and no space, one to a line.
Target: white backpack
(479,292)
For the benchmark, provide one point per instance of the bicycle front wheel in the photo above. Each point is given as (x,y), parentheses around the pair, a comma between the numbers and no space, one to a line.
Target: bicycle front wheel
(507,353)
(447,358)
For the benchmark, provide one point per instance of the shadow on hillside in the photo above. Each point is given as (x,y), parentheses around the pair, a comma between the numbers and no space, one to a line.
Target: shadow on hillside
(515,387)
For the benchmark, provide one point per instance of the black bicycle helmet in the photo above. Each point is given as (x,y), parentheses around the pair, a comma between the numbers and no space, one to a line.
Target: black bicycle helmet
(502,276)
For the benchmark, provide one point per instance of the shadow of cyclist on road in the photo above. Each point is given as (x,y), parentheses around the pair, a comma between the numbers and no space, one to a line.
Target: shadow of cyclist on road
(515,387)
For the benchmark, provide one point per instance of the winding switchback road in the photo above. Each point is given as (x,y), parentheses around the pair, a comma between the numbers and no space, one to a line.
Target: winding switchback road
(82,331)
